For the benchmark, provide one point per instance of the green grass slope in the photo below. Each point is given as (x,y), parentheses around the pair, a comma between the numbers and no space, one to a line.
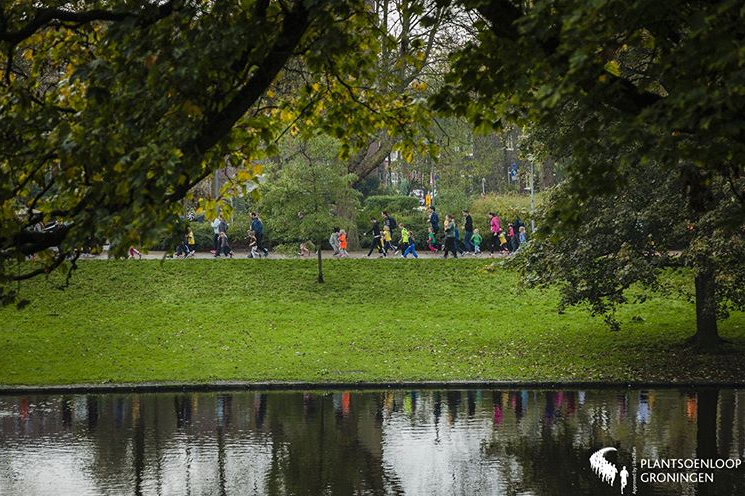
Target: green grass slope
(373,320)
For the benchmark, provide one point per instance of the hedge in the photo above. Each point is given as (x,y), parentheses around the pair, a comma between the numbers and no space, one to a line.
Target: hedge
(393,203)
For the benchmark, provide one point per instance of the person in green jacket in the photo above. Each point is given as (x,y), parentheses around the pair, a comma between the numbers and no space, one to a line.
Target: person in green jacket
(476,239)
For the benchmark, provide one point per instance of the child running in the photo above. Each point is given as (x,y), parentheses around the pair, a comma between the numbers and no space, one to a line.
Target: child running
(409,243)
(191,242)
(343,243)
(432,241)
(503,242)
(476,240)
(253,245)
(387,240)
(224,245)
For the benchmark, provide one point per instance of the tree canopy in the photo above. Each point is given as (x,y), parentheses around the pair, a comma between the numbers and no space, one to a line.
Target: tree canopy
(612,85)
(112,110)
(642,102)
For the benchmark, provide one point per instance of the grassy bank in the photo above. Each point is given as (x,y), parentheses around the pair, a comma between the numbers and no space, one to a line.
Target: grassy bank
(204,320)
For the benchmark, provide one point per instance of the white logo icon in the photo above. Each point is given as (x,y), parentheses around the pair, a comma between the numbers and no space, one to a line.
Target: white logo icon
(606,470)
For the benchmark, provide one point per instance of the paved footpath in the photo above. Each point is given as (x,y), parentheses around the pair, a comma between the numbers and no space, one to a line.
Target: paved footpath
(158,255)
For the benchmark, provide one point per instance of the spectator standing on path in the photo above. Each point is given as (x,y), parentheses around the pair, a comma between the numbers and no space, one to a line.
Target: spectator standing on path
(468,232)
(258,228)
(495,226)
(450,236)
(216,233)
(434,220)
(334,241)
(375,231)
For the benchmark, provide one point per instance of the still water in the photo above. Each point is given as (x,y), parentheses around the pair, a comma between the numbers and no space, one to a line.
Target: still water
(505,442)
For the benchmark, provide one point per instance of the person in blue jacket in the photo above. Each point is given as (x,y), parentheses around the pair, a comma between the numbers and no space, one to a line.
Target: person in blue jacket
(258,228)
(434,220)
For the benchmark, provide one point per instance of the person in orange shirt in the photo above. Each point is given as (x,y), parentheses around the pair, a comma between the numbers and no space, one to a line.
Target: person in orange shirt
(343,243)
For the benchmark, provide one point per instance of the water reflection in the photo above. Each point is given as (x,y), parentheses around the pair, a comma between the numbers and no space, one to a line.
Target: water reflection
(517,442)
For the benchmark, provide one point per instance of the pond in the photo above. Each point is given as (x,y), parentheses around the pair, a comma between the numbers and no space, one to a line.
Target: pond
(428,442)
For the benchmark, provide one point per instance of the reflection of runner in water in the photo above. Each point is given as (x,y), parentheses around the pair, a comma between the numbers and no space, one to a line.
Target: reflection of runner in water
(624,478)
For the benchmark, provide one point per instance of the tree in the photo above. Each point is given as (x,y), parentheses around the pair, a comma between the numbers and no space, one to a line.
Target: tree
(614,87)
(618,83)
(308,196)
(416,38)
(636,235)
(112,110)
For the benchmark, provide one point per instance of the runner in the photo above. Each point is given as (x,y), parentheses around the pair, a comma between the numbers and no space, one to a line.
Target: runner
(258,228)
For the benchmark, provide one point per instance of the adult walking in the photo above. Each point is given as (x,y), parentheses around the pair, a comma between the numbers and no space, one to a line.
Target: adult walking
(450,236)
(389,221)
(375,231)
(258,228)
(216,233)
(495,226)
(334,241)
(468,232)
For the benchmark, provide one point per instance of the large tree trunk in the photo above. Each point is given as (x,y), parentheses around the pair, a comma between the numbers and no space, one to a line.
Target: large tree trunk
(706,308)
(320,263)
(547,174)
(370,158)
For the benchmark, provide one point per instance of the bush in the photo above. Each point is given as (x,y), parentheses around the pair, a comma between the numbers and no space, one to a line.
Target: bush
(393,203)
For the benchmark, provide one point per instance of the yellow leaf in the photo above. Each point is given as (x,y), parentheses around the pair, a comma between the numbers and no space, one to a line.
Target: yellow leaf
(613,67)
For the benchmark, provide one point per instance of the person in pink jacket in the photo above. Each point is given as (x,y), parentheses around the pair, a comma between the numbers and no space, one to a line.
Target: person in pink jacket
(495,226)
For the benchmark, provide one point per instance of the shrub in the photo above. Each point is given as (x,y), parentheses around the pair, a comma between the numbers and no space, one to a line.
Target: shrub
(393,203)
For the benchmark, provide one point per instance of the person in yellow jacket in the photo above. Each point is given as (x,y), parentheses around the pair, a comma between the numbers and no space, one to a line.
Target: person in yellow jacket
(190,241)
(385,240)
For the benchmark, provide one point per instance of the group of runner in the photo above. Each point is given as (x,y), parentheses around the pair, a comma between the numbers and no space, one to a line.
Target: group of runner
(503,241)
(456,240)
(221,242)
